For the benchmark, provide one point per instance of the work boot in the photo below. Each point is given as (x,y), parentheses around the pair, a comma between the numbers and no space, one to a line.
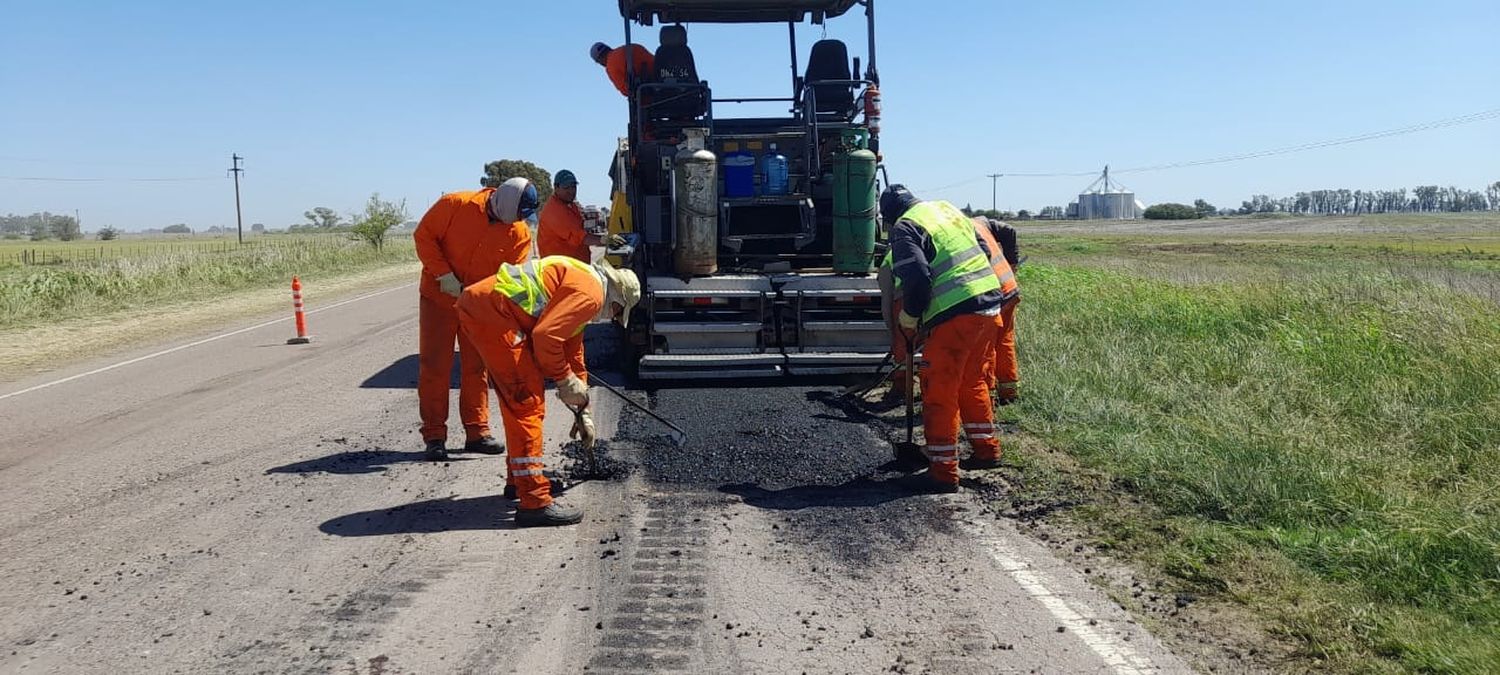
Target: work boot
(551,515)
(436,451)
(485,445)
(555,487)
(979,463)
(923,483)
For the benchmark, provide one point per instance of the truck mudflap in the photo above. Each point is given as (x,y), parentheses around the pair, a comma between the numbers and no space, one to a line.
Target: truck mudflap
(744,326)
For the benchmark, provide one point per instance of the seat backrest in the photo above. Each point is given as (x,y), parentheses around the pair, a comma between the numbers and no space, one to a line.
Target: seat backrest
(675,65)
(829,60)
(674,59)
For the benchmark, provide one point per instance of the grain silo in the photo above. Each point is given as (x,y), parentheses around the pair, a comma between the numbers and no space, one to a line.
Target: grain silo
(1106,199)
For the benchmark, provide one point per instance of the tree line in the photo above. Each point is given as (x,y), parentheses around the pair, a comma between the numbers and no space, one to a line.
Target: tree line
(1420,199)
(40,226)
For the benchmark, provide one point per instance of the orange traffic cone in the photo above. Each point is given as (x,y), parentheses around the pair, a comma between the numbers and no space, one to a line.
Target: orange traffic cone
(302,336)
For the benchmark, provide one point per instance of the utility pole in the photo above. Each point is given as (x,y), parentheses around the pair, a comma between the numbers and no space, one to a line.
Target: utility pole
(994,180)
(239,222)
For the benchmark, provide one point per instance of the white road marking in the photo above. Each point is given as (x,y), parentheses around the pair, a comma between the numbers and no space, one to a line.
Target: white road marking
(1116,653)
(206,340)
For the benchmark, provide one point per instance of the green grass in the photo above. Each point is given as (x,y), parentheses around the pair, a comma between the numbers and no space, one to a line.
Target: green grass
(162,272)
(1317,438)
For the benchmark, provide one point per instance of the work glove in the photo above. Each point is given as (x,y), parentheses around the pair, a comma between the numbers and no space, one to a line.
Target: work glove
(583,428)
(572,391)
(616,241)
(450,285)
(907,321)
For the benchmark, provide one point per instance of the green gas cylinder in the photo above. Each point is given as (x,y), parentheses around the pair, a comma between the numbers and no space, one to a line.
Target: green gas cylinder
(854,204)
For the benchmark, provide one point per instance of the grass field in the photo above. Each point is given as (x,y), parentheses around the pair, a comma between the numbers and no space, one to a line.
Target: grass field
(1309,422)
(103,277)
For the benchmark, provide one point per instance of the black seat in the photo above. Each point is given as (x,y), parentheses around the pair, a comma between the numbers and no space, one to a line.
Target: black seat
(829,60)
(674,65)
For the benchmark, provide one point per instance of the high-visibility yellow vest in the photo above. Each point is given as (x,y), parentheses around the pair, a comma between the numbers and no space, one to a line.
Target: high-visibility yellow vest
(960,269)
(523,283)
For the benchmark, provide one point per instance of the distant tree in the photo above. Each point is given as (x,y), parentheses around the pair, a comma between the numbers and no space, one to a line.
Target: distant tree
(13,226)
(37,230)
(179,228)
(1023,214)
(1493,192)
(258,228)
(502,170)
(1052,212)
(108,233)
(323,217)
(378,218)
(1171,211)
(1204,208)
(968,210)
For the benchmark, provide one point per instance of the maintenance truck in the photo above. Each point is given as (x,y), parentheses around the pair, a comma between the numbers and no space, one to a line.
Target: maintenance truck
(754,237)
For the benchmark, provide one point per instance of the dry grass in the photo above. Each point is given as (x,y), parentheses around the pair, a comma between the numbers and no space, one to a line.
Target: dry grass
(26,351)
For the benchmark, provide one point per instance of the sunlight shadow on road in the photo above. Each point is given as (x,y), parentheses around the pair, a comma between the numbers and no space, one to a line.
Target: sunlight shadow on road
(857,493)
(493,512)
(356,462)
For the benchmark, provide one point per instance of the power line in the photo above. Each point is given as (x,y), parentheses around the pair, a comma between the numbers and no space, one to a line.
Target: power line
(1481,116)
(55,179)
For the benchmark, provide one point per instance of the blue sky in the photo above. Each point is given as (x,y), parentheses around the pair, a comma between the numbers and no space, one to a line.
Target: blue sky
(331,101)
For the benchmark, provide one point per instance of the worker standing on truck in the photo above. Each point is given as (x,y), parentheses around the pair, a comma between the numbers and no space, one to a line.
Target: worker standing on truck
(560,231)
(1002,373)
(527,323)
(614,60)
(464,237)
(950,293)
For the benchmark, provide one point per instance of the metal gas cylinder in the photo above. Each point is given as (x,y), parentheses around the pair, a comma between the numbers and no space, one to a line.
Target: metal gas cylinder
(695,198)
(854,204)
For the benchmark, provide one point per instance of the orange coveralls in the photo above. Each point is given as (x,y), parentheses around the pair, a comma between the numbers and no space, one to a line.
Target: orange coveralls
(954,392)
(521,350)
(456,236)
(644,64)
(1002,372)
(560,230)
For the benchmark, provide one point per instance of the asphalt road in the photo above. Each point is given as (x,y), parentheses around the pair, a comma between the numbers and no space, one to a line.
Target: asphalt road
(226,503)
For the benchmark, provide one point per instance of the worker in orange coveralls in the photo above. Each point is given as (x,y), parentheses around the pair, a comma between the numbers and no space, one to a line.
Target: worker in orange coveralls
(462,239)
(614,59)
(950,292)
(527,323)
(560,231)
(1002,373)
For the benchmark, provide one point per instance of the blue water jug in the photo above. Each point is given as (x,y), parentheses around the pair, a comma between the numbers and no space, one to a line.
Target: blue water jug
(774,165)
(739,174)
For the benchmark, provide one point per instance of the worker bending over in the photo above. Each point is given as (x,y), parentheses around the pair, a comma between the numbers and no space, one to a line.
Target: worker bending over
(560,231)
(614,59)
(462,239)
(1002,373)
(527,323)
(948,291)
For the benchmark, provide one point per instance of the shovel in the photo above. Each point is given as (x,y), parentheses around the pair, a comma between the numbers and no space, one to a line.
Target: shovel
(881,375)
(676,433)
(908,452)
